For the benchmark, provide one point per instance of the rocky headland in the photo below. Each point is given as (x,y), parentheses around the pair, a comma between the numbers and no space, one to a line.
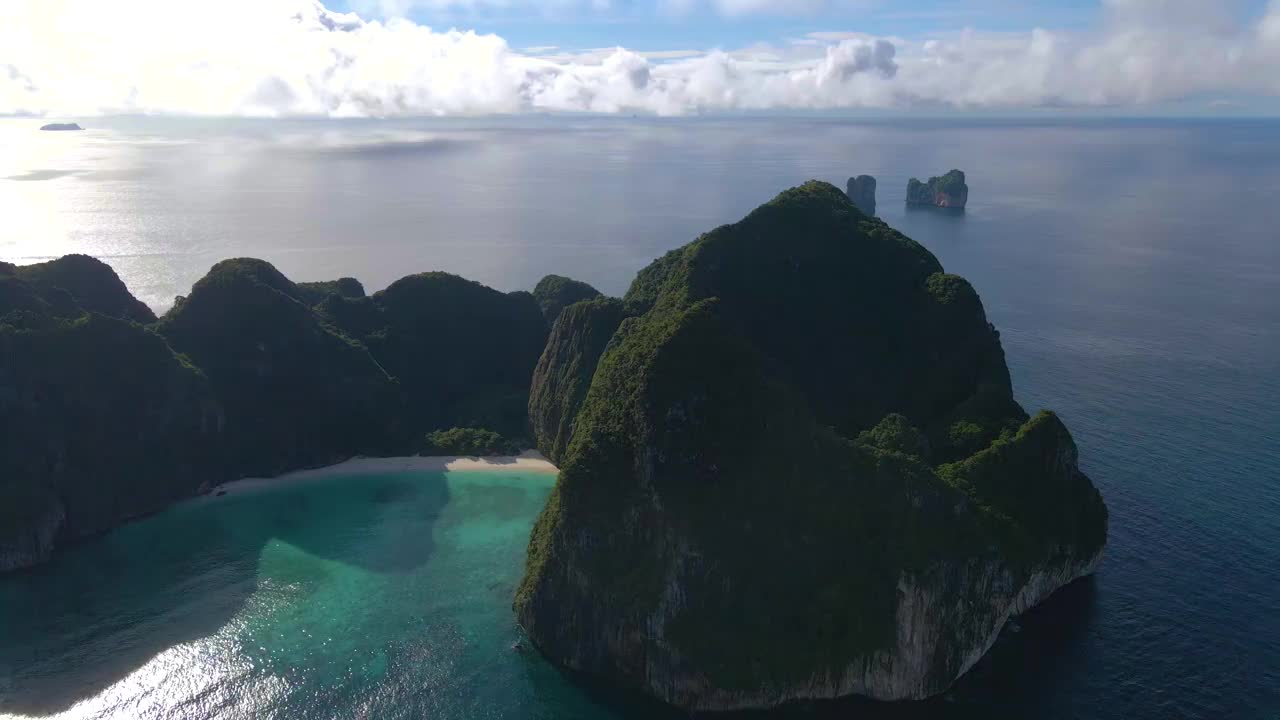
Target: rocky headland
(792,468)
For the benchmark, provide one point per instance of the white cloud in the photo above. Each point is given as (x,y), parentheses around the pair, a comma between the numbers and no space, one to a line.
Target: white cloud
(734,8)
(402,8)
(283,57)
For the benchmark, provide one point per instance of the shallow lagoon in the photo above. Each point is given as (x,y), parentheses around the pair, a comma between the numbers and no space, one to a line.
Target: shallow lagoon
(382,595)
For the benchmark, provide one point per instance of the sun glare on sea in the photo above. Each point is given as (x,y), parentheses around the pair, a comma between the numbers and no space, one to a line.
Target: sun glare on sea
(35,170)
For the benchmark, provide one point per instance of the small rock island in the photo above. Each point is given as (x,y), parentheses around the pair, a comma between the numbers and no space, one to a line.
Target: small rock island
(61,127)
(862,191)
(948,191)
(792,468)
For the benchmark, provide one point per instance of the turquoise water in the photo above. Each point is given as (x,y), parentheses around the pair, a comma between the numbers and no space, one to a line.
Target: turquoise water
(381,596)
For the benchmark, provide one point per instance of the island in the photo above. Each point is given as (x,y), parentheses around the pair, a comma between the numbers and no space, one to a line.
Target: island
(792,468)
(61,127)
(948,191)
(862,191)
(111,413)
(791,463)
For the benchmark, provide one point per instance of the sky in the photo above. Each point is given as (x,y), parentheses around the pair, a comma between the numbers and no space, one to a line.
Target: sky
(385,58)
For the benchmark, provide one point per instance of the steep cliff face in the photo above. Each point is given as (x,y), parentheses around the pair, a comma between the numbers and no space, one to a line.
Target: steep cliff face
(99,422)
(800,473)
(947,191)
(564,371)
(862,191)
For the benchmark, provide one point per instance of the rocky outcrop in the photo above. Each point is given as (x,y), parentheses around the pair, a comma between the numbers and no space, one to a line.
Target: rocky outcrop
(809,423)
(297,394)
(91,283)
(102,421)
(463,353)
(313,293)
(564,372)
(554,293)
(61,127)
(948,191)
(862,191)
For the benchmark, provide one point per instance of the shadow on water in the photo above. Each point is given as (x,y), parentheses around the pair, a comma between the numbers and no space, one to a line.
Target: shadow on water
(99,611)
(1021,673)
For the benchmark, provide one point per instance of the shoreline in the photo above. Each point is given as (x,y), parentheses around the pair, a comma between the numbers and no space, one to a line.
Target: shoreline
(527,461)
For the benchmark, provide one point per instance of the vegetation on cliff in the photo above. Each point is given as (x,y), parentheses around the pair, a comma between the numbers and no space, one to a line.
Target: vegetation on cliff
(110,413)
(807,415)
(91,283)
(297,393)
(469,442)
(102,420)
(463,353)
(948,191)
(564,371)
(313,293)
(554,293)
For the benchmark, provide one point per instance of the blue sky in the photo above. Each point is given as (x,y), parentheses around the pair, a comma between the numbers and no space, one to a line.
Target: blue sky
(652,25)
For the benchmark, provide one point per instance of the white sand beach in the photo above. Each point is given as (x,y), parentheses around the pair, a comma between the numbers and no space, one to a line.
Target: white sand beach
(528,461)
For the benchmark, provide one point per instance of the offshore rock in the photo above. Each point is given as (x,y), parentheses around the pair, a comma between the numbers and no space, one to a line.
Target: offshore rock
(862,191)
(948,191)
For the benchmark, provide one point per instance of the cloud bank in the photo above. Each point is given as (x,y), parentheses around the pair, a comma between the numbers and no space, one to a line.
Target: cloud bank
(294,57)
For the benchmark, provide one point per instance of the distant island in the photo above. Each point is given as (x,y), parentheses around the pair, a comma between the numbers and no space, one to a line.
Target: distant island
(59,127)
(948,191)
(792,466)
(862,191)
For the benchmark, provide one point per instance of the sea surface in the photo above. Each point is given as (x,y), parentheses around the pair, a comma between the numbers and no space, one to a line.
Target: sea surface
(1132,267)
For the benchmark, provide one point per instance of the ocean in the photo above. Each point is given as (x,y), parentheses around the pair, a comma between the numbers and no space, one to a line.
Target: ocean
(1132,267)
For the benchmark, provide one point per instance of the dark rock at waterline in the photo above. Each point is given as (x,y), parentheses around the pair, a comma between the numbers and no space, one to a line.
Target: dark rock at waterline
(61,127)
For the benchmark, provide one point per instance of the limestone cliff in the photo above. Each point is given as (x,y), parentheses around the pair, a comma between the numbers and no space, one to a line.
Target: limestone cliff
(862,191)
(564,371)
(798,473)
(100,421)
(947,191)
